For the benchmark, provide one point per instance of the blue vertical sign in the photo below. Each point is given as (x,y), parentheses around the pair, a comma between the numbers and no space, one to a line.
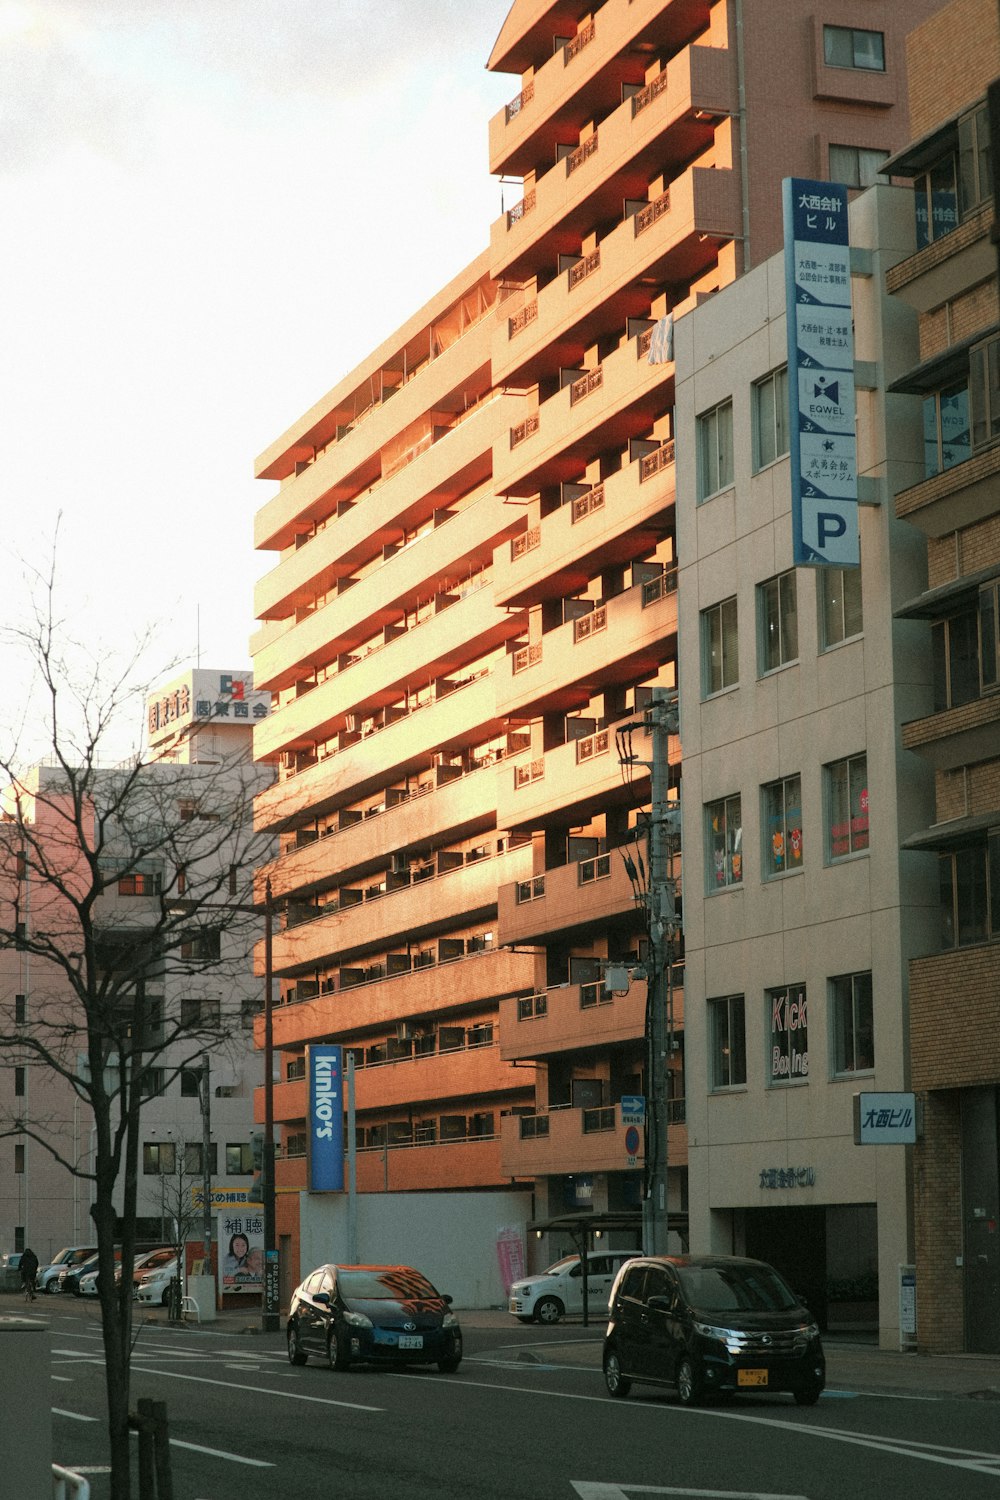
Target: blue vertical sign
(824,459)
(325,1119)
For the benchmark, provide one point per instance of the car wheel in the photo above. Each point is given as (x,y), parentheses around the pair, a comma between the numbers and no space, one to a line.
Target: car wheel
(688,1383)
(449,1366)
(295,1354)
(51,1286)
(549,1310)
(336,1355)
(808,1395)
(165,1299)
(617,1383)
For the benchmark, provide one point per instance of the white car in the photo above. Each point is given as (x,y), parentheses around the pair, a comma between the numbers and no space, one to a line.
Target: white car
(87,1286)
(155,1286)
(559,1290)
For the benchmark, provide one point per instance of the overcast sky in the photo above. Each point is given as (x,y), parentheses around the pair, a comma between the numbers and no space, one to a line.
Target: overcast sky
(211,210)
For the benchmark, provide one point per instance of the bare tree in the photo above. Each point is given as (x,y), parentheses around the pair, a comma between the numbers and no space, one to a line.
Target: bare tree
(76,838)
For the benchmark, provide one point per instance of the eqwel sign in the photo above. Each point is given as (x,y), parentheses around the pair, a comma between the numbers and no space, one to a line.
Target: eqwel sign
(823,442)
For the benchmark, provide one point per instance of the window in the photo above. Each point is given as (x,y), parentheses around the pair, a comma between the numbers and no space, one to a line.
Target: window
(139,883)
(853,1025)
(715,450)
(783,826)
(856,166)
(151,1083)
(984,392)
(849,47)
(20,1009)
(770,418)
(975,174)
(946,428)
(779,627)
(958,183)
(193,1158)
(970,893)
(18,1159)
(725,843)
(789,1017)
(201,1013)
(158,1158)
(727,1028)
(955,659)
(19,1082)
(239,1159)
(204,945)
(190,1080)
(847,785)
(989,638)
(840,605)
(720,647)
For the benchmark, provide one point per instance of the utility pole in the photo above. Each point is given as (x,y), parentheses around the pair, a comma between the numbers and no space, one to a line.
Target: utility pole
(205,1090)
(663,924)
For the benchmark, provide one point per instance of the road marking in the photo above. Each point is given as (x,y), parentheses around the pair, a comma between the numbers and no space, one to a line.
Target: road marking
(234,1458)
(66,1379)
(75,1416)
(260,1390)
(589,1490)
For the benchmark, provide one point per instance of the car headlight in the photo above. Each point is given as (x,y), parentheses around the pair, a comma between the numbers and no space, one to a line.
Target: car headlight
(734,1340)
(357,1320)
(449,1320)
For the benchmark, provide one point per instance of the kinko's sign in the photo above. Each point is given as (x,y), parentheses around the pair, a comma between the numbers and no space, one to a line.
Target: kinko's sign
(325,1119)
(822,439)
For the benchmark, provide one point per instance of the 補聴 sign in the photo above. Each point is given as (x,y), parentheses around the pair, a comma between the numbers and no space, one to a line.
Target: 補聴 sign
(325,1119)
(822,437)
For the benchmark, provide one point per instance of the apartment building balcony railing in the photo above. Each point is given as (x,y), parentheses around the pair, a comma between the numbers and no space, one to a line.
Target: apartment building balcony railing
(939,272)
(675,240)
(576,896)
(571,1139)
(596,526)
(959,736)
(570,1018)
(518,103)
(956,498)
(586,149)
(629,636)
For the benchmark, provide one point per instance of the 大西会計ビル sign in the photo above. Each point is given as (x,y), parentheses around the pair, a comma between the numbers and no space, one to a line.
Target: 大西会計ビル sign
(885,1119)
(822,439)
(325,1119)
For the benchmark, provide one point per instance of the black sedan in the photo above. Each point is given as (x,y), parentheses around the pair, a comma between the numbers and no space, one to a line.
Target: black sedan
(372,1315)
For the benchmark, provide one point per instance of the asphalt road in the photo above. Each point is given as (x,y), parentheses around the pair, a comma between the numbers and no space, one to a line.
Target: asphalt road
(525,1418)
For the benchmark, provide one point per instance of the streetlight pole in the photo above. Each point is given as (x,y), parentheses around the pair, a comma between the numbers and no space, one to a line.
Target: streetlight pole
(270,1319)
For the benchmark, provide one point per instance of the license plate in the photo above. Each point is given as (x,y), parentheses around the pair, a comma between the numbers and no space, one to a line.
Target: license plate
(751,1377)
(411,1341)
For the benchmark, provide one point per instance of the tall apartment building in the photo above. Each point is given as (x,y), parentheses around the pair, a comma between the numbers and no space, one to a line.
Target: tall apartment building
(476,586)
(198,742)
(950,279)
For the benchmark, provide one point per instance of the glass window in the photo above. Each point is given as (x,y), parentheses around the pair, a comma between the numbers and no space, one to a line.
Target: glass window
(725,843)
(989,636)
(984,392)
(955,660)
(783,826)
(789,1031)
(840,605)
(779,629)
(18,1159)
(856,166)
(192,1159)
(935,199)
(770,418)
(19,1082)
(720,646)
(151,1083)
(847,785)
(853,1024)
(849,47)
(947,439)
(970,893)
(715,450)
(727,1028)
(975,177)
(239,1159)
(158,1157)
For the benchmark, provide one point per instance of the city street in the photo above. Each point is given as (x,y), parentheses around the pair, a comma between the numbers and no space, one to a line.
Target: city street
(526,1417)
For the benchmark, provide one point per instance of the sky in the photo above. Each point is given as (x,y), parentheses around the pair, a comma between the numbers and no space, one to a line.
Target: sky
(211,211)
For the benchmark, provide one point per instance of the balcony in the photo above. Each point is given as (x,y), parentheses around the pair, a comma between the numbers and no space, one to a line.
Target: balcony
(573,898)
(965,981)
(365,765)
(434,991)
(957,736)
(405,1167)
(585,774)
(571,1018)
(573,86)
(573,1140)
(653,135)
(576,310)
(940,272)
(450,469)
(353,464)
(629,638)
(954,499)
(613,522)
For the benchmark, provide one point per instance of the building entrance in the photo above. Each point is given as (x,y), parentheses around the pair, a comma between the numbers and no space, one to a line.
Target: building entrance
(793,1240)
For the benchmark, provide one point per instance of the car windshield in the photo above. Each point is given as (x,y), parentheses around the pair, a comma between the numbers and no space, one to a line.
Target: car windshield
(562,1266)
(750,1288)
(389,1283)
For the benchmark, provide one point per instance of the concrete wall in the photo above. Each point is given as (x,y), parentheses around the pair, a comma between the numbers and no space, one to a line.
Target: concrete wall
(451,1237)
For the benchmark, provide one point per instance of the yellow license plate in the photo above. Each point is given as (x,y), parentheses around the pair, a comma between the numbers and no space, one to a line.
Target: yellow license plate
(751,1377)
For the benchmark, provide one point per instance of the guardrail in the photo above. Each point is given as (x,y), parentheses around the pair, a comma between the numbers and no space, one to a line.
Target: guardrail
(68,1486)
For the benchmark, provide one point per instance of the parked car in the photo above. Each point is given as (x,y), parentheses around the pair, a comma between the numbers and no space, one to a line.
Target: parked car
(559,1290)
(373,1315)
(86,1285)
(69,1276)
(10,1274)
(710,1324)
(47,1279)
(149,1261)
(154,1285)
